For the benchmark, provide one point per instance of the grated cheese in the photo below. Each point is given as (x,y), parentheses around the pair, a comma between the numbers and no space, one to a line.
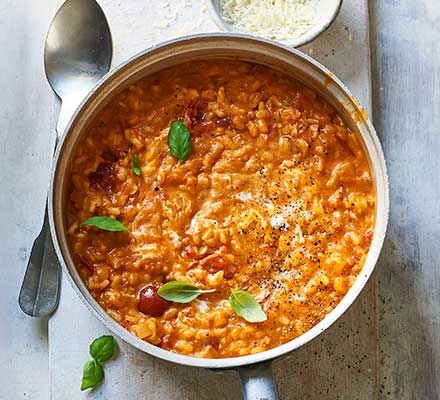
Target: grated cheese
(202,306)
(272,19)
(245,196)
(278,221)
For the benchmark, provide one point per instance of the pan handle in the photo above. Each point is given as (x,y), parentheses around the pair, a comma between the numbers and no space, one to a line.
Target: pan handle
(257,382)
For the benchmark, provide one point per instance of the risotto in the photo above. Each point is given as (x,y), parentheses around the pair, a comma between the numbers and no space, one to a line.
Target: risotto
(275,197)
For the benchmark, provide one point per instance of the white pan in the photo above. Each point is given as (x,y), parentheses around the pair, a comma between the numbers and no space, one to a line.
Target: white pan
(255,370)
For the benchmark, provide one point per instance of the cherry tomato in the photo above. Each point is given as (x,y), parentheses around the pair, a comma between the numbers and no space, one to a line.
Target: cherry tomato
(150,303)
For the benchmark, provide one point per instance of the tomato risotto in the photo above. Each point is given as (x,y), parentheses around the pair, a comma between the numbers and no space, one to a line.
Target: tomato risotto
(265,191)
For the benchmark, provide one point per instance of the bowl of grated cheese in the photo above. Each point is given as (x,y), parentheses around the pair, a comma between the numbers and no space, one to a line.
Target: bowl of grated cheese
(291,22)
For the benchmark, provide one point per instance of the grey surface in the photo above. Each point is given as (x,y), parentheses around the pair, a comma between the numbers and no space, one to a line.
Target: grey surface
(25,152)
(395,354)
(406,69)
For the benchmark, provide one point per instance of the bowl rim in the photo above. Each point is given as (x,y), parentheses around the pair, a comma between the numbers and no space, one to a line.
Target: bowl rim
(302,40)
(279,351)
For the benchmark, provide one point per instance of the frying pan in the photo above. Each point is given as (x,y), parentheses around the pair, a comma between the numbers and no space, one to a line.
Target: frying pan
(255,369)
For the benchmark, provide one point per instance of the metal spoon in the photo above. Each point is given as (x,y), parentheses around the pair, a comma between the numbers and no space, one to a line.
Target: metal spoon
(77,54)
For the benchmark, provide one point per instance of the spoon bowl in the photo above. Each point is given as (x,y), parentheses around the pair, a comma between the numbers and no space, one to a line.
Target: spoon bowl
(78,49)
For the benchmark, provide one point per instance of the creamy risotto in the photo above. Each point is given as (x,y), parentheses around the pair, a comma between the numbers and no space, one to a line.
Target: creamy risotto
(276,198)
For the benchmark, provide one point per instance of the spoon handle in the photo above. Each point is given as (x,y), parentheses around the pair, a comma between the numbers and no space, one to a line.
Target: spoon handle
(40,291)
(68,106)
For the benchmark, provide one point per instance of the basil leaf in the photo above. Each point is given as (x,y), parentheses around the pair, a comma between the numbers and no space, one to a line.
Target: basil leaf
(245,306)
(181,292)
(179,141)
(103,348)
(105,223)
(93,374)
(136,165)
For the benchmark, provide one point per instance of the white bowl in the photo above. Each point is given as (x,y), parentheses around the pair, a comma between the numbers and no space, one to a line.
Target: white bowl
(326,10)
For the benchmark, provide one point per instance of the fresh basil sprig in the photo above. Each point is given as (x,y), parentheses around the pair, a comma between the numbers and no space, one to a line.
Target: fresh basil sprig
(136,165)
(245,306)
(101,350)
(181,292)
(105,223)
(179,141)
(93,374)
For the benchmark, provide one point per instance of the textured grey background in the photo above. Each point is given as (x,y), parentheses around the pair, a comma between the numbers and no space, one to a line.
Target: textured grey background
(385,347)
(405,39)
